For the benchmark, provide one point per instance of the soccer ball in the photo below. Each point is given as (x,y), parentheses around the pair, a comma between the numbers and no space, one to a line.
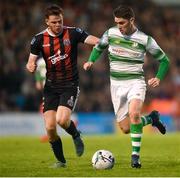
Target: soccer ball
(103,159)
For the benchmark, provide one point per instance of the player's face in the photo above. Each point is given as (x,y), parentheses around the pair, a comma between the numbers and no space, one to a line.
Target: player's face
(55,23)
(125,26)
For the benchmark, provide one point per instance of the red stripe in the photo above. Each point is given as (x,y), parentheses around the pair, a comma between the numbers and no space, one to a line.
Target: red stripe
(56,48)
(46,48)
(68,62)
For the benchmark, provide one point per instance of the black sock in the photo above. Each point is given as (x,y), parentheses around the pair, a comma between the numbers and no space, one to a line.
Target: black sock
(58,150)
(72,130)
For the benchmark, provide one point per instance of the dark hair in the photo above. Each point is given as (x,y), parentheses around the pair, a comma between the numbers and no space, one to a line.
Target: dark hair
(53,10)
(123,11)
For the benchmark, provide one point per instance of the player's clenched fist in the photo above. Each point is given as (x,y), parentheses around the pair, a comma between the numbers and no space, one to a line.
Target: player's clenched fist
(154,82)
(31,67)
(87,65)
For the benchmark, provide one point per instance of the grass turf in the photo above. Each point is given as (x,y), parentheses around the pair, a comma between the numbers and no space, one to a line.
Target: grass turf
(27,156)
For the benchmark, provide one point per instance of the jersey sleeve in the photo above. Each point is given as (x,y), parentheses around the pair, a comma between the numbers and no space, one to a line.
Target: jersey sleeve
(159,55)
(103,43)
(80,35)
(154,49)
(98,49)
(35,45)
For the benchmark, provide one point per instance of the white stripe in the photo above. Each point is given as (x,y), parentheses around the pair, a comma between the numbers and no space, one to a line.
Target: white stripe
(34,55)
(120,66)
(135,153)
(145,120)
(136,144)
(136,135)
(77,96)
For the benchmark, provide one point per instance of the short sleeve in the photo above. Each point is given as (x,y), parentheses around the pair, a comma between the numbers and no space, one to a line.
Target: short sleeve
(103,43)
(154,49)
(80,35)
(36,45)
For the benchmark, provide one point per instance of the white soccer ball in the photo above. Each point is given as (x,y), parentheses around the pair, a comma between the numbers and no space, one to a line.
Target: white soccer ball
(103,159)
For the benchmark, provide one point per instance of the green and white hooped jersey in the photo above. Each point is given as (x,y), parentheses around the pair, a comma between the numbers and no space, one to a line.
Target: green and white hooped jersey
(40,74)
(126,53)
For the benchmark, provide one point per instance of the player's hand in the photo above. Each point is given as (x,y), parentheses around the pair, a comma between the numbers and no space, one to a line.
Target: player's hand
(31,67)
(154,82)
(87,65)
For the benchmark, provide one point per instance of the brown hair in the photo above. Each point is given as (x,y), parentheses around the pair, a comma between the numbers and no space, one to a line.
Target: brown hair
(123,11)
(53,10)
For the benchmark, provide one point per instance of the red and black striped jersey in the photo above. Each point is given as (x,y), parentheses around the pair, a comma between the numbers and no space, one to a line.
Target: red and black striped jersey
(60,54)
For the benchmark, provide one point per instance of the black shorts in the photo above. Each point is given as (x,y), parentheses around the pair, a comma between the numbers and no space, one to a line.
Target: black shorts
(65,97)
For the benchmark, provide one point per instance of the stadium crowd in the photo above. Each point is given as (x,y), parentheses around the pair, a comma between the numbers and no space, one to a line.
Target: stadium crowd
(21,19)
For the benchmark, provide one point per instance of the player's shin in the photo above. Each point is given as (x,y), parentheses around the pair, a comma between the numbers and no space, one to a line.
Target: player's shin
(58,150)
(136,134)
(146,120)
(72,130)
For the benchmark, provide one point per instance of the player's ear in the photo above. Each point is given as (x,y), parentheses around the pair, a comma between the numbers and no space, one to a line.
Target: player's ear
(132,20)
(47,22)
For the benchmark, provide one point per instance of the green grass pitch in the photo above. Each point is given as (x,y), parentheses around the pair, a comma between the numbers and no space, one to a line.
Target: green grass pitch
(27,156)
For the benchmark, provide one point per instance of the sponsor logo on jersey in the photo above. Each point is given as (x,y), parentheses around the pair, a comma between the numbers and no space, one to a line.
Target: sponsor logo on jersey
(46,45)
(57,57)
(33,40)
(135,44)
(79,30)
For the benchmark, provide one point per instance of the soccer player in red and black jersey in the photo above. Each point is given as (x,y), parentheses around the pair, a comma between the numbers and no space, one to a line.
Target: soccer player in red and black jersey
(58,46)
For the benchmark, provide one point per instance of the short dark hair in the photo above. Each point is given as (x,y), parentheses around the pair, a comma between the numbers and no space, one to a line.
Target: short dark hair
(53,10)
(123,11)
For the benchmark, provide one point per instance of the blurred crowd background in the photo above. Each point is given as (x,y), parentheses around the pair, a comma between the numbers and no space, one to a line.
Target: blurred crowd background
(22,19)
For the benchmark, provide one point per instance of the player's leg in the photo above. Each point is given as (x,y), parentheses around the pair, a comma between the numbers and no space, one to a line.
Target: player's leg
(120,104)
(154,119)
(54,139)
(63,119)
(66,105)
(136,128)
(124,125)
(49,111)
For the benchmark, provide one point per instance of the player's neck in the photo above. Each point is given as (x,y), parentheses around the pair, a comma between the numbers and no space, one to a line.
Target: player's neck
(52,33)
(132,30)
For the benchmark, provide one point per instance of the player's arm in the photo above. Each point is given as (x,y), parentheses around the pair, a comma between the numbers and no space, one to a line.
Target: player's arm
(35,50)
(91,40)
(31,64)
(159,55)
(97,51)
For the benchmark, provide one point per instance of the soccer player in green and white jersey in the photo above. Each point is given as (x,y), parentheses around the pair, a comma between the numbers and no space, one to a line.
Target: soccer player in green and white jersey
(126,50)
(40,74)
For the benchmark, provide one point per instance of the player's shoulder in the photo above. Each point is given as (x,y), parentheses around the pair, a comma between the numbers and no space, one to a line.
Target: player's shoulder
(112,31)
(40,34)
(140,37)
(38,37)
(141,33)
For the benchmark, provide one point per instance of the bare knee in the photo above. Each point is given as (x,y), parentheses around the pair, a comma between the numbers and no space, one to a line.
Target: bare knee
(64,123)
(134,116)
(124,125)
(125,130)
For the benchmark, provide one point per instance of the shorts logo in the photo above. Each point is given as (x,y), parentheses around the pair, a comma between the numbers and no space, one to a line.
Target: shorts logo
(70,102)
(66,42)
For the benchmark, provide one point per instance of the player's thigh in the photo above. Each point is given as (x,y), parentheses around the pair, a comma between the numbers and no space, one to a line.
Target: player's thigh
(119,99)
(50,100)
